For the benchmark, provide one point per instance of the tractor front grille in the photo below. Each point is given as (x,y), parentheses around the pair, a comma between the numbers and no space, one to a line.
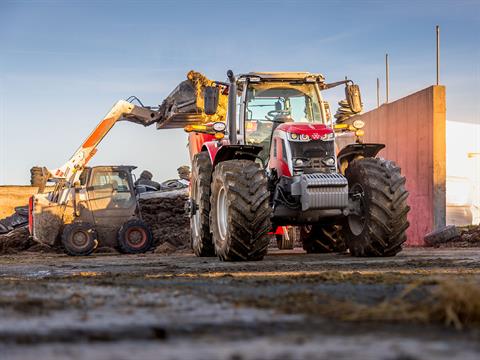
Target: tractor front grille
(312,149)
(323,191)
(312,153)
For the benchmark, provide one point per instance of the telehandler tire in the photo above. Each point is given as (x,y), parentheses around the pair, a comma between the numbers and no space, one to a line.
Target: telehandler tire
(378,228)
(322,239)
(240,211)
(79,239)
(134,237)
(200,235)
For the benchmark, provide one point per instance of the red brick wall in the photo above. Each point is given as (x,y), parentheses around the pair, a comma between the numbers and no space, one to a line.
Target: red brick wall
(413,130)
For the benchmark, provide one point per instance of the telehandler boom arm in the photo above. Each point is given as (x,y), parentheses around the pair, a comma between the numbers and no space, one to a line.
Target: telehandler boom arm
(182,107)
(122,110)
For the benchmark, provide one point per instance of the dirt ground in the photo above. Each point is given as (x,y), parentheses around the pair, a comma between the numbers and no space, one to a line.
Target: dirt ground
(289,306)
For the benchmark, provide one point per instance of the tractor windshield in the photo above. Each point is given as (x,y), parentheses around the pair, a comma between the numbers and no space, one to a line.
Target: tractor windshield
(270,104)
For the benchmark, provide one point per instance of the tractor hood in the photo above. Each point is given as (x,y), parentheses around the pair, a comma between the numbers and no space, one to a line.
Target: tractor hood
(314,131)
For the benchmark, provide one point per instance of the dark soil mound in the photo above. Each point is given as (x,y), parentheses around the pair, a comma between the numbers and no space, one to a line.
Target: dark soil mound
(165,214)
(469,237)
(15,241)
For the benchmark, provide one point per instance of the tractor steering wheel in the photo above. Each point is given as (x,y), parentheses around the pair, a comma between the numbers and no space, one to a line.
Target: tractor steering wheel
(275,113)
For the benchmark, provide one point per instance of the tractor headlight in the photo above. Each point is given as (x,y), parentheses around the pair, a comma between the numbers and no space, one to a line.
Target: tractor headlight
(329,161)
(298,137)
(219,126)
(358,124)
(299,162)
(329,136)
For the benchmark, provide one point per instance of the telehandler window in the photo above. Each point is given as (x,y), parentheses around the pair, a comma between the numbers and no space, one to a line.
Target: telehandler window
(118,180)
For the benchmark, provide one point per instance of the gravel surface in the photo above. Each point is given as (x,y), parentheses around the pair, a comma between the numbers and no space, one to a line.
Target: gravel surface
(182,307)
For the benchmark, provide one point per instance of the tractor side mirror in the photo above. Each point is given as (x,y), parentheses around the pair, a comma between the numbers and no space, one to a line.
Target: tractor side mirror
(328,113)
(354,99)
(210,99)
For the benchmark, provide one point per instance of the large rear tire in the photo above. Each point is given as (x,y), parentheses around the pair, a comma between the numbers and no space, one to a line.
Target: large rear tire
(378,227)
(240,213)
(322,238)
(200,235)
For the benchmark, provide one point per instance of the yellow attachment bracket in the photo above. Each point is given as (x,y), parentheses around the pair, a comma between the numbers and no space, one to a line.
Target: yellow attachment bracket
(344,127)
(199,128)
(200,81)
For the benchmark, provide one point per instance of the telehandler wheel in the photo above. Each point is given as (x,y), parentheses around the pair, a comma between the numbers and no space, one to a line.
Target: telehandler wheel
(240,213)
(322,239)
(378,225)
(134,237)
(79,239)
(200,236)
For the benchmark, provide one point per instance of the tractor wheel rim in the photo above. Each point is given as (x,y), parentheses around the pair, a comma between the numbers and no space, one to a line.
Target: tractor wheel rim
(136,237)
(222,213)
(196,216)
(80,239)
(357,222)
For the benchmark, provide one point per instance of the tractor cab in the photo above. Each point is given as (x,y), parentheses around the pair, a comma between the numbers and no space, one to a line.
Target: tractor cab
(269,104)
(286,117)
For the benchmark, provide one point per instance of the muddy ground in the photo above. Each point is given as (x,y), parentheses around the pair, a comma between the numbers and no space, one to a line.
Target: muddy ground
(289,306)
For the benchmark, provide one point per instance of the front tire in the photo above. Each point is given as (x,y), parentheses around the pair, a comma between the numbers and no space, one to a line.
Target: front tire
(378,192)
(200,235)
(79,239)
(240,211)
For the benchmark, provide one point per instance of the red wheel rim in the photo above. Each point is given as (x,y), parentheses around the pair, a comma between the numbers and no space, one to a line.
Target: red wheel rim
(136,237)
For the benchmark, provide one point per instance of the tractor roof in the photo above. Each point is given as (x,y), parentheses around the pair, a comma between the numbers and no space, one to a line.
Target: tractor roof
(283,75)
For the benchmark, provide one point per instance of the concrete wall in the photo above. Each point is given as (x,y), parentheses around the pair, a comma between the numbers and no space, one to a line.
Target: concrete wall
(413,130)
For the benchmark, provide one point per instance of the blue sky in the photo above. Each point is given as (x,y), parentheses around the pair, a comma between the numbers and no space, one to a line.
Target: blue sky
(64,63)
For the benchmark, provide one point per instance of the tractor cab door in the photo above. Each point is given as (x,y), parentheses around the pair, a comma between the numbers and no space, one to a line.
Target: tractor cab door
(111,200)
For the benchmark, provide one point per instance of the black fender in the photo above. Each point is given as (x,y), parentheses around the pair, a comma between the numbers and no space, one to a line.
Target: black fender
(351,151)
(230,152)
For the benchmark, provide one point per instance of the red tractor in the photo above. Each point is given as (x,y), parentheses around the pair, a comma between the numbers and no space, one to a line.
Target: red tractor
(274,163)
